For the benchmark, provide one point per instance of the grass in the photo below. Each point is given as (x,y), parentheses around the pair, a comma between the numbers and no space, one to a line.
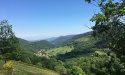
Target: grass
(21,68)
(60,50)
(84,38)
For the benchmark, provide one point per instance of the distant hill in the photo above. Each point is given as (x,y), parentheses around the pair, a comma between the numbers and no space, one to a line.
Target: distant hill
(33,47)
(51,39)
(48,39)
(76,37)
(61,39)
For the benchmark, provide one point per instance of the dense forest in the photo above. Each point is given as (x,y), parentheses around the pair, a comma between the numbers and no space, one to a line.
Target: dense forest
(98,52)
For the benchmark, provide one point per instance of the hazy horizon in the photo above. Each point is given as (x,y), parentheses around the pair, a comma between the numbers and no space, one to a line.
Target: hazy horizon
(44,37)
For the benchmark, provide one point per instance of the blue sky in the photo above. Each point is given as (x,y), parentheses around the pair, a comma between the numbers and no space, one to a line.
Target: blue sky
(39,19)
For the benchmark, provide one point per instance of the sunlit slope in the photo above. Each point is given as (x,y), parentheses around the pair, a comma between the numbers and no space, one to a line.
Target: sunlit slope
(83,45)
(26,69)
(85,42)
(60,50)
(76,37)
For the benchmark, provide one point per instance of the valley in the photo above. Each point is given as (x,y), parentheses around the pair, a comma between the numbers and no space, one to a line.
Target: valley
(81,51)
(62,37)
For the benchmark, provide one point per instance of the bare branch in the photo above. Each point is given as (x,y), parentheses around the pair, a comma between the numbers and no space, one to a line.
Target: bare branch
(123,17)
(87,26)
(94,5)
(96,2)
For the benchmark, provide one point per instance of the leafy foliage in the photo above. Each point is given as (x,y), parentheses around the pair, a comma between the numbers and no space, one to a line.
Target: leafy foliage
(110,24)
(9,45)
(61,69)
(8,66)
(39,64)
(76,71)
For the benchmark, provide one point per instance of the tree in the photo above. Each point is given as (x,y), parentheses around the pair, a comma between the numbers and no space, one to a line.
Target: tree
(8,41)
(61,69)
(103,64)
(27,60)
(39,64)
(76,71)
(110,24)
(50,63)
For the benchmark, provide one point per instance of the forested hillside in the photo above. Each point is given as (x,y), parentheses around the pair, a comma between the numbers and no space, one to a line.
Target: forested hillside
(80,45)
(75,37)
(84,45)
(90,55)
(34,47)
(59,41)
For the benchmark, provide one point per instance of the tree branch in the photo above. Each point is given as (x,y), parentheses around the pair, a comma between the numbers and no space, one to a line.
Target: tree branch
(94,4)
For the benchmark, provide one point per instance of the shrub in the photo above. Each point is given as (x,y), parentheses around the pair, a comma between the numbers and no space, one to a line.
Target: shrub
(8,66)
(76,71)
(39,64)
(61,69)
(1,57)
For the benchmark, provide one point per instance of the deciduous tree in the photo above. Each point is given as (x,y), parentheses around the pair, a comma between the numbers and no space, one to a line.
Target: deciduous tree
(110,23)
(8,41)
(76,71)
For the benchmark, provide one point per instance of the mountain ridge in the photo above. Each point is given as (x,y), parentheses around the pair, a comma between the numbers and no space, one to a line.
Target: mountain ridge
(76,37)
(58,41)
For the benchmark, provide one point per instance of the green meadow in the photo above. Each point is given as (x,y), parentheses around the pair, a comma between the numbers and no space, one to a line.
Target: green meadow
(60,50)
(21,68)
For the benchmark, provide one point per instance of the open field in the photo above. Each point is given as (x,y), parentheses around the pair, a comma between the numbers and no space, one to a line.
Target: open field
(21,68)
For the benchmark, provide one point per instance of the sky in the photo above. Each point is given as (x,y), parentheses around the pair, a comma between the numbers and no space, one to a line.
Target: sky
(41,19)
